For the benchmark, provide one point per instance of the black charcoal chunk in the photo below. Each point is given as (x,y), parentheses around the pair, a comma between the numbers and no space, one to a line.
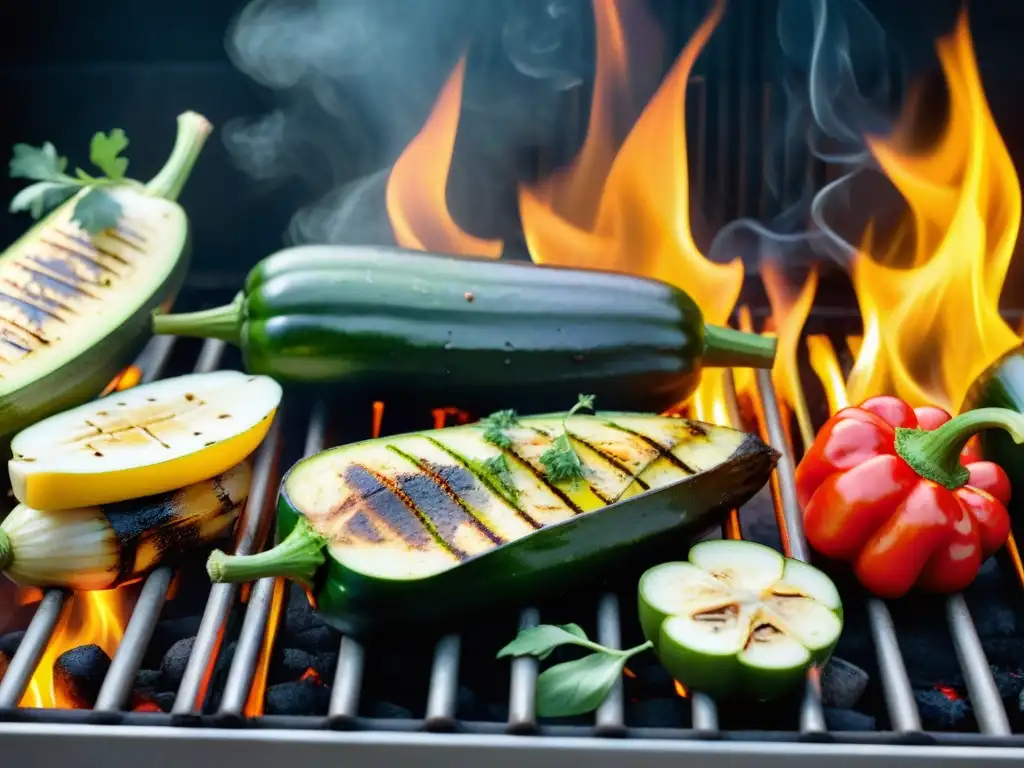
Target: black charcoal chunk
(165,700)
(172,668)
(316,640)
(290,664)
(842,684)
(662,712)
(78,674)
(10,642)
(943,710)
(165,634)
(147,681)
(386,710)
(847,720)
(304,697)
(300,615)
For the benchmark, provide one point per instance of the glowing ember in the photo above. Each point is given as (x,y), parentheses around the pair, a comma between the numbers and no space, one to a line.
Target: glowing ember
(930,306)
(312,676)
(416,191)
(681,690)
(126,379)
(948,692)
(88,618)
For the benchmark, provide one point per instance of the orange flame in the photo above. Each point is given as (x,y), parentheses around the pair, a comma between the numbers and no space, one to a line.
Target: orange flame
(312,675)
(826,366)
(126,379)
(930,307)
(88,618)
(417,187)
(258,689)
(681,690)
(639,223)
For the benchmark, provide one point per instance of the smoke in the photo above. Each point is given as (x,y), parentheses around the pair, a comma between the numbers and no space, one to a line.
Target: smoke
(842,82)
(353,81)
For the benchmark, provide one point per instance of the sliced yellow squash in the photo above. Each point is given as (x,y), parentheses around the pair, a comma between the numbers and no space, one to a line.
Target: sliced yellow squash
(150,439)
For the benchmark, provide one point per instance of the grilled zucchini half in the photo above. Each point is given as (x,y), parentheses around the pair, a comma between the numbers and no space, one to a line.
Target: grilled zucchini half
(429,525)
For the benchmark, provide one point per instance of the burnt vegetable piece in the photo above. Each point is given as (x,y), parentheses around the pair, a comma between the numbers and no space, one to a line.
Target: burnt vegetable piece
(739,619)
(476,333)
(430,525)
(81,284)
(105,546)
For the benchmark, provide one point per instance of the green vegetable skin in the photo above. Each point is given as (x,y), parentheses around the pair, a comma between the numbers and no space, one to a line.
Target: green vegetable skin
(428,526)
(76,306)
(739,619)
(476,333)
(1001,385)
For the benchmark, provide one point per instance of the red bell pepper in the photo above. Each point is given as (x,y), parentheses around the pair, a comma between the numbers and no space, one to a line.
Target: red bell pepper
(901,493)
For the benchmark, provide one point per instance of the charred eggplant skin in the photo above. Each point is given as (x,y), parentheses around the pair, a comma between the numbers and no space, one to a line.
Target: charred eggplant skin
(474,333)
(1001,385)
(561,556)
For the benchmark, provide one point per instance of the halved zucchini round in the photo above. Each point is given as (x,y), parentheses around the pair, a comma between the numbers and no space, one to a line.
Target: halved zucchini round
(739,618)
(153,438)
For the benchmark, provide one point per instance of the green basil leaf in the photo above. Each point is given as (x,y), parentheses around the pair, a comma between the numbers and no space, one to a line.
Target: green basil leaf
(541,640)
(579,686)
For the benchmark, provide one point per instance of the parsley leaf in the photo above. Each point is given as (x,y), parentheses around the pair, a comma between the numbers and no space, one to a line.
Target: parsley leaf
(495,426)
(105,151)
(560,460)
(502,473)
(96,211)
(38,163)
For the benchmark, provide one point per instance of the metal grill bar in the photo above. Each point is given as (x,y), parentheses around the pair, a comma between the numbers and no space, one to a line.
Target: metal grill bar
(117,685)
(152,362)
(348,680)
(444,683)
(899,696)
(981,686)
(254,626)
(610,716)
(522,695)
(251,531)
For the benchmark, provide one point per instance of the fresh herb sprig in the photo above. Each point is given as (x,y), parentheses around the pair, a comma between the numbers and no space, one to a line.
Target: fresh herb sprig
(560,460)
(497,470)
(96,210)
(572,687)
(495,426)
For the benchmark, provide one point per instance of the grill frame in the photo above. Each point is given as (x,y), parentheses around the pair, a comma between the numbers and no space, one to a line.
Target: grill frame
(187,734)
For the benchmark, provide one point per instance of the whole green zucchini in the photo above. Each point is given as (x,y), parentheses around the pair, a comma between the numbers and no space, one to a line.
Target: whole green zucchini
(428,526)
(469,332)
(1001,385)
(75,308)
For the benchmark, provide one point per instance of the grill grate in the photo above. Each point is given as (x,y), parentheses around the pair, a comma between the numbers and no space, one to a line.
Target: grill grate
(704,738)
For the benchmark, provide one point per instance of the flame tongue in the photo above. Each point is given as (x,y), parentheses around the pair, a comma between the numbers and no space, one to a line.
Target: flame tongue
(932,323)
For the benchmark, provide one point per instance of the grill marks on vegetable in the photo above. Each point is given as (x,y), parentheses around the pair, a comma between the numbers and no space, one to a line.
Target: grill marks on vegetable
(61,276)
(432,493)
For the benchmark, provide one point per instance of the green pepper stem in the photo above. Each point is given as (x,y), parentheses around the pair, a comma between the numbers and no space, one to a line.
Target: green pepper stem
(729,348)
(6,551)
(935,454)
(297,558)
(193,130)
(223,323)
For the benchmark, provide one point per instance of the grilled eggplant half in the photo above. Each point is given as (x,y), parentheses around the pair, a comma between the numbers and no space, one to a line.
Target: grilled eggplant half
(429,525)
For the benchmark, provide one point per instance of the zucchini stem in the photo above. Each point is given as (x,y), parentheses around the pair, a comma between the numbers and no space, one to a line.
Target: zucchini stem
(193,130)
(297,558)
(224,323)
(729,348)
(6,551)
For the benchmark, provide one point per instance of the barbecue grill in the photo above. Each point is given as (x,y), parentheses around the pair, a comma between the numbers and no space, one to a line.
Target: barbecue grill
(203,735)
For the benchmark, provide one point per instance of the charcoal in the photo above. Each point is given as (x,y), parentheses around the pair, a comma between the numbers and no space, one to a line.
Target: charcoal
(303,697)
(841,719)
(316,639)
(300,615)
(466,704)
(941,710)
(172,668)
(292,663)
(842,683)
(165,634)
(663,712)
(220,675)
(1009,682)
(165,700)
(147,681)
(78,674)
(10,642)
(386,710)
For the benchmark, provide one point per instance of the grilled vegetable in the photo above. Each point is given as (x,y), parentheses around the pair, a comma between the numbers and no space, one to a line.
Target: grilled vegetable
(105,546)
(426,525)
(470,332)
(883,487)
(75,307)
(149,439)
(739,618)
(1001,385)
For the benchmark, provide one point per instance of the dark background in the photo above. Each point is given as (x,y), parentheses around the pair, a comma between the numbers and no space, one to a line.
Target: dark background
(69,68)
